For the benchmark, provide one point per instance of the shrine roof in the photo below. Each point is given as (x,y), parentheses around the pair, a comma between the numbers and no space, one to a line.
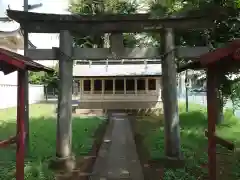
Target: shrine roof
(122,70)
(10,62)
(230,51)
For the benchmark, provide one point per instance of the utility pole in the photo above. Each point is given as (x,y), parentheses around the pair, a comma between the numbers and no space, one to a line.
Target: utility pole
(27,7)
(186,88)
(26,113)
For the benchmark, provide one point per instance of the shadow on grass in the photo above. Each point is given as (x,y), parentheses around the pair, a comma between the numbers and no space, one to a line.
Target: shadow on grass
(193,145)
(42,144)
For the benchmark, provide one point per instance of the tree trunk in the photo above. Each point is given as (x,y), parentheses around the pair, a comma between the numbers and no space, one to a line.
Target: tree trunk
(220,117)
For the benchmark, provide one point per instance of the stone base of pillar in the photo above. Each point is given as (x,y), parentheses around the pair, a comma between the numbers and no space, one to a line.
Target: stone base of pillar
(63,164)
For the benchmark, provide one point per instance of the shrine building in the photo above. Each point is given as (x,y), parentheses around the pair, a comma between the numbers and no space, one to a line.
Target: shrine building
(119,86)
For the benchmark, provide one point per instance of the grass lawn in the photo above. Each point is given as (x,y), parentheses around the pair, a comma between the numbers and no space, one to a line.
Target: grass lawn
(194,143)
(42,140)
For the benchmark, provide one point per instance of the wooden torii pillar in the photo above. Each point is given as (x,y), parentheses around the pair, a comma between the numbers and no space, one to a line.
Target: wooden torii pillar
(212,112)
(169,92)
(64,157)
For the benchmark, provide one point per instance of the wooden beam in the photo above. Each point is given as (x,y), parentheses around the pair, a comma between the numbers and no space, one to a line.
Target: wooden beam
(219,12)
(95,54)
(116,44)
(116,27)
(98,18)
(118,23)
(118,77)
(227,144)
(169,93)
(114,62)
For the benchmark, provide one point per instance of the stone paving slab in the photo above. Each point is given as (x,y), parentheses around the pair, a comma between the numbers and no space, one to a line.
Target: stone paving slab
(118,158)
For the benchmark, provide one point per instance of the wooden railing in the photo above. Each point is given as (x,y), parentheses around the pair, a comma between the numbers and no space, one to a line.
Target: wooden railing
(151,96)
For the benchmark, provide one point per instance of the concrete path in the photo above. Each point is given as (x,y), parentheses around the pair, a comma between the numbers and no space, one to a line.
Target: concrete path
(117,158)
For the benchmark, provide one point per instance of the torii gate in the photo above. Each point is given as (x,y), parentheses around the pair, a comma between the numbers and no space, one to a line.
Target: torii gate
(116,25)
(218,62)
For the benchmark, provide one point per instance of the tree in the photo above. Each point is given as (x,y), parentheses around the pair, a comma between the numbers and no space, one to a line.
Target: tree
(45,78)
(36,77)
(91,7)
(225,30)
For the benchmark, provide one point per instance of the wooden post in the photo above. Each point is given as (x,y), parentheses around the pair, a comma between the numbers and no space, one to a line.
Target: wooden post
(158,85)
(81,86)
(20,126)
(169,92)
(125,86)
(64,119)
(146,85)
(92,85)
(135,86)
(114,82)
(212,117)
(26,86)
(103,86)
(116,43)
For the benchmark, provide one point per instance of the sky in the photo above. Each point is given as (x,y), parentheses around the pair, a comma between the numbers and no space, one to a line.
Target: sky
(40,40)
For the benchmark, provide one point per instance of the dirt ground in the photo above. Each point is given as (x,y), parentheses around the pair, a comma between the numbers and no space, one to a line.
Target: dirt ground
(85,164)
(89,112)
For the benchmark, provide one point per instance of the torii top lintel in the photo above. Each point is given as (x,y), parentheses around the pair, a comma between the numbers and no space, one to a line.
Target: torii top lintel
(95,24)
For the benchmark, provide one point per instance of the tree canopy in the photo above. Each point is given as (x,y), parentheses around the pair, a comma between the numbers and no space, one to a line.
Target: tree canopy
(102,7)
(45,78)
(225,30)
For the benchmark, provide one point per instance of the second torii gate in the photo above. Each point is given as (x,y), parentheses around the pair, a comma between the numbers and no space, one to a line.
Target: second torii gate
(216,63)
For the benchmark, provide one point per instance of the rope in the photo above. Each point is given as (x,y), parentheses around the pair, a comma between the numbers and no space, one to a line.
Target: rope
(114,55)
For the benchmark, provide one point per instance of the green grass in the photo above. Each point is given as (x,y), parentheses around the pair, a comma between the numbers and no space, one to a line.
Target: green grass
(42,140)
(193,142)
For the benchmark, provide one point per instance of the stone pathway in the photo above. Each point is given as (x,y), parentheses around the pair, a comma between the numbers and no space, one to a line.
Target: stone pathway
(117,158)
